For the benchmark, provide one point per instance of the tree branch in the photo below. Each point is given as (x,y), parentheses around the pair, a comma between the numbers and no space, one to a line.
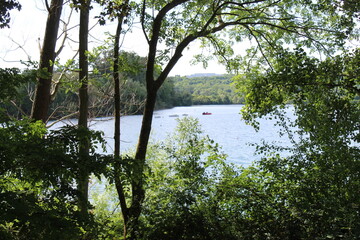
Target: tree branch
(155,39)
(142,20)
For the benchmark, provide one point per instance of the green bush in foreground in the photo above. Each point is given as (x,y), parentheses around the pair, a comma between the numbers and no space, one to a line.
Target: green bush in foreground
(192,193)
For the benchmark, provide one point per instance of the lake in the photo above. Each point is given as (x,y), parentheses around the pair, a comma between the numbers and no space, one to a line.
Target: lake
(224,126)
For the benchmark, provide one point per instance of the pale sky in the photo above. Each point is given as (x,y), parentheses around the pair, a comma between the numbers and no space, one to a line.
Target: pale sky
(26,32)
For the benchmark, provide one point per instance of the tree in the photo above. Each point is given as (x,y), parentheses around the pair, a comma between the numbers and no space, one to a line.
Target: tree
(120,16)
(5,7)
(185,171)
(207,89)
(268,23)
(299,79)
(38,168)
(321,172)
(47,58)
(10,80)
(83,178)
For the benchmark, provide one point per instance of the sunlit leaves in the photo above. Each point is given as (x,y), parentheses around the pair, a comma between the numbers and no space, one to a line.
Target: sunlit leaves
(183,170)
(37,178)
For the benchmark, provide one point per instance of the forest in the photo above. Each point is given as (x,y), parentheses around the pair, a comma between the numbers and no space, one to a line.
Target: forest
(218,89)
(177,91)
(299,52)
(100,90)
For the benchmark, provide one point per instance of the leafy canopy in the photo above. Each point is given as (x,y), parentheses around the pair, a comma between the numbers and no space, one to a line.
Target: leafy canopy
(268,25)
(320,173)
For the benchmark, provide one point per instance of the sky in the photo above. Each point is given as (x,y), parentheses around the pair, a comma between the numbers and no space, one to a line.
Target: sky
(24,37)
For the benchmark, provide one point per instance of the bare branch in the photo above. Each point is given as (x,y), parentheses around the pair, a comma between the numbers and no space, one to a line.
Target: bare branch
(260,48)
(143,21)
(18,108)
(47,5)
(56,84)
(19,46)
(61,119)
(65,33)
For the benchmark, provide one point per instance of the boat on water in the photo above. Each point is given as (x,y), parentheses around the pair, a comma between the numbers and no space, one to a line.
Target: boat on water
(206,113)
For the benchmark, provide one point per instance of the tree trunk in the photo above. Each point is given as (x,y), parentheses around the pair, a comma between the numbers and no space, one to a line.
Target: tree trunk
(42,99)
(137,182)
(116,75)
(83,180)
(146,124)
(152,87)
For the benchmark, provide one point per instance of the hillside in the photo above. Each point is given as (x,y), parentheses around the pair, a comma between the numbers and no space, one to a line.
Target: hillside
(215,89)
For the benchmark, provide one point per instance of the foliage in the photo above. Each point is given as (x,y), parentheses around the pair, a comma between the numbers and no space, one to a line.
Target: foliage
(38,172)
(320,175)
(194,194)
(113,9)
(303,81)
(10,79)
(207,89)
(5,7)
(191,192)
(181,177)
(169,28)
(15,85)
(268,26)
(107,212)
(19,86)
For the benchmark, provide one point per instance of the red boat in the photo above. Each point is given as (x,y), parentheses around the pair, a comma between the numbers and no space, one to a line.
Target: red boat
(206,113)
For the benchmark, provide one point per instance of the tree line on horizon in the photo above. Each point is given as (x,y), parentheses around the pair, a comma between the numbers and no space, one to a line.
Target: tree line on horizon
(183,188)
(177,91)
(101,90)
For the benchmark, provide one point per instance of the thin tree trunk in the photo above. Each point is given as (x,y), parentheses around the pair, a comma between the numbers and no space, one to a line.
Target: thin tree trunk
(118,182)
(152,87)
(146,125)
(83,181)
(137,183)
(42,99)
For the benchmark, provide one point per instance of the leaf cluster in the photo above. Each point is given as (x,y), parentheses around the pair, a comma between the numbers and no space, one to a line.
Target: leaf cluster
(5,7)
(37,177)
(318,175)
(10,81)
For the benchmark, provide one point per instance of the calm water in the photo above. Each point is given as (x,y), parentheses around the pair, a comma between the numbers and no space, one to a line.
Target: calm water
(224,126)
